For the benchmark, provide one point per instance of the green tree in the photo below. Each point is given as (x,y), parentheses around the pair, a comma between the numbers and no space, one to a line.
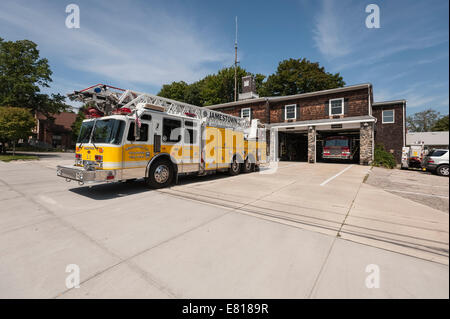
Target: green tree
(212,89)
(422,121)
(192,94)
(78,121)
(296,76)
(22,73)
(219,88)
(15,123)
(174,90)
(441,125)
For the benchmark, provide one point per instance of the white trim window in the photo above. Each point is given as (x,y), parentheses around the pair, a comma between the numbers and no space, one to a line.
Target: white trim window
(290,112)
(246,113)
(388,116)
(336,106)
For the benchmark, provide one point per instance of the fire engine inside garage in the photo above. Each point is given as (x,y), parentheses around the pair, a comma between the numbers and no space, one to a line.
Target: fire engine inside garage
(334,143)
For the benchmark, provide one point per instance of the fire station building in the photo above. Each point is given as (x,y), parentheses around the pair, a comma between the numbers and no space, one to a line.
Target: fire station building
(300,123)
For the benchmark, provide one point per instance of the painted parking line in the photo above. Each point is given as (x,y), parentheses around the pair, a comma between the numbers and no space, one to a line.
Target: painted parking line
(333,177)
(413,193)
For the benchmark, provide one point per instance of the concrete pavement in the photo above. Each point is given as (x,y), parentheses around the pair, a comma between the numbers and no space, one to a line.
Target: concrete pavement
(251,236)
(422,187)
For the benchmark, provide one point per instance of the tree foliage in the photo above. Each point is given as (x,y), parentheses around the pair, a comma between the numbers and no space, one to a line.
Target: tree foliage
(422,121)
(296,76)
(293,76)
(175,90)
(81,115)
(441,125)
(22,73)
(15,123)
(212,89)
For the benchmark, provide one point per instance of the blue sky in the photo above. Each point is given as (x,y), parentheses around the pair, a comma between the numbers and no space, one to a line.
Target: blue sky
(143,44)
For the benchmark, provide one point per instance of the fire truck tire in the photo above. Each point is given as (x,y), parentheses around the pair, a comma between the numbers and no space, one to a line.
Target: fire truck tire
(442,170)
(248,166)
(235,167)
(160,174)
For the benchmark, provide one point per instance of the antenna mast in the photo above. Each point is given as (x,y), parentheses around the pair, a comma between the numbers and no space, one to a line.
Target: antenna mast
(235,63)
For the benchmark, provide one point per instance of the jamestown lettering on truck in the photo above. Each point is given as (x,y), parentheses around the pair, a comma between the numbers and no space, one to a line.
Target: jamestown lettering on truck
(131,135)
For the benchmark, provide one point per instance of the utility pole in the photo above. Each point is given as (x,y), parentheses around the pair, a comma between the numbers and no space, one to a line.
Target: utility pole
(235,63)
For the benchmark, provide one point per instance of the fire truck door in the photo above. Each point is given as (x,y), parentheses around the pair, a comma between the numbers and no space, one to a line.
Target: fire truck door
(191,147)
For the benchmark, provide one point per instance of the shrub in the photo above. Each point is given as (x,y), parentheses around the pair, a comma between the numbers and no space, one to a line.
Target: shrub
(382,158)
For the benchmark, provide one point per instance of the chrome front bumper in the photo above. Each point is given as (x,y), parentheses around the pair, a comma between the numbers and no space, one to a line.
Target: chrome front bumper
(342,157)
(81,175)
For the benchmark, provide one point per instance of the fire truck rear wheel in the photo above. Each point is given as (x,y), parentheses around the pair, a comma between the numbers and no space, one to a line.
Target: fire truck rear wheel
(235,167)
(160,174)
(248,166)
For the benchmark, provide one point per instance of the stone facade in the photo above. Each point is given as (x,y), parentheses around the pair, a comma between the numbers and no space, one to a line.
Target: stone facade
(312,144)
(366,143)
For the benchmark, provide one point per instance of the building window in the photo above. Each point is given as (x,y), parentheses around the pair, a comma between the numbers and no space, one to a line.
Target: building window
(290,112)
(246,113)
(388,116)
(336,106)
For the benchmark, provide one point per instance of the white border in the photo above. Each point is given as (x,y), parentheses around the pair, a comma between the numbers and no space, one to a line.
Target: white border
(329,106)
(295,112)
(249,112)
(393,117)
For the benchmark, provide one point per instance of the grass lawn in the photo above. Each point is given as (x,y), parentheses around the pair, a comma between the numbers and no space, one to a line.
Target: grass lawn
(9,158)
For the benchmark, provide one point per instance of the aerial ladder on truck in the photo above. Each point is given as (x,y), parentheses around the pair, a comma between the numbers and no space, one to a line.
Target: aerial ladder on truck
(129,135)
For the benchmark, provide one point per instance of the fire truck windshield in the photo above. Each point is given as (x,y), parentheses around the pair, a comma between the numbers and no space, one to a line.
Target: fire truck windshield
(107,131)
(336,142)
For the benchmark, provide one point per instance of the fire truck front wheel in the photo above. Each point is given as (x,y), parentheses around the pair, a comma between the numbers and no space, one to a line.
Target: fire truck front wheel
(160,174)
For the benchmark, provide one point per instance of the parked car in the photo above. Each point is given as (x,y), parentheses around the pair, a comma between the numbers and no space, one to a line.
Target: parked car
(337,147)
(437,161)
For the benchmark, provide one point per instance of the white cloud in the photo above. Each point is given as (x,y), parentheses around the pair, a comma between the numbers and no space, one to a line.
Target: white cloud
(421,95)
(340,33)
(121,43)
(328,32)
